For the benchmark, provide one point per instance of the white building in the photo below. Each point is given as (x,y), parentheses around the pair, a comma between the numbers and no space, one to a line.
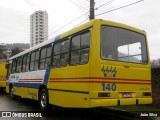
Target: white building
(38,27)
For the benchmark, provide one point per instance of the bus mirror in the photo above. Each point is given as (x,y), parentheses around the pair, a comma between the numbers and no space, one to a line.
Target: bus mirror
(6,66)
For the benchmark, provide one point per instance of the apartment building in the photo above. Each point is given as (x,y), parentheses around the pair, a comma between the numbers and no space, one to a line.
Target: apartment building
(38,27)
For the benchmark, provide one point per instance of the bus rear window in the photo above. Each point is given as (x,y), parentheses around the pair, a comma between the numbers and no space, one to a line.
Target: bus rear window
(123,45)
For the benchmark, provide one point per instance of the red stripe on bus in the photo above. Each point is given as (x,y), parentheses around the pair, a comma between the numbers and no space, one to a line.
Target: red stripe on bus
(102,82)
(31,79)
(122,79)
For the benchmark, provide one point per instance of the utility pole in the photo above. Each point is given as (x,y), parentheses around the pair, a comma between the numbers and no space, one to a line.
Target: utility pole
(92,3)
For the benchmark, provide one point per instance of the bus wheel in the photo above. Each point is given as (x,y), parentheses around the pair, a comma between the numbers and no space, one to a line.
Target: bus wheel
(44,100)
(11,92)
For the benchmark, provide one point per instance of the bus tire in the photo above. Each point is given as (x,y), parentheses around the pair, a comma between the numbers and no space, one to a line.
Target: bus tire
(44,100)
(11,92)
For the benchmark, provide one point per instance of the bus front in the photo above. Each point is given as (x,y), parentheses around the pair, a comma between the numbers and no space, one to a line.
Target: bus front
(120,71)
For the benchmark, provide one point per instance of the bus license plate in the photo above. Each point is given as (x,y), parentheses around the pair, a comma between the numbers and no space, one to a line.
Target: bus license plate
(126,95)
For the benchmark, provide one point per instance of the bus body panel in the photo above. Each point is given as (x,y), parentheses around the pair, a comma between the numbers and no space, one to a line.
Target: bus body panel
(121,77)
(3,72)
(25,92)
(27,84)
(89,85)
(69,86)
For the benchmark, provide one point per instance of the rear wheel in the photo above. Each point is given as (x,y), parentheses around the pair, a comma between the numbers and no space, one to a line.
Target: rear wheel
(44,100)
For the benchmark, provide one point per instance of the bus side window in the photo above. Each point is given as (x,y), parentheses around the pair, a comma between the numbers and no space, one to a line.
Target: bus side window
(19,64)
(14,66)
(56,55)
(32,61)
(48,56)
(10,68)
(75,50)
(80,49)
(85,43)
(64,53)
(36,62)
(60,56)
(45,58)
(25,65)
(42,58)
(28,61)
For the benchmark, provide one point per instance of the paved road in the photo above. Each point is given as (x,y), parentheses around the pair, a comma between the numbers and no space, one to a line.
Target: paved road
(22,105)
(31,106)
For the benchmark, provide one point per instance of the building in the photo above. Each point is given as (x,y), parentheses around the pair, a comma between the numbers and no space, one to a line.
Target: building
(5,52)
(38,27)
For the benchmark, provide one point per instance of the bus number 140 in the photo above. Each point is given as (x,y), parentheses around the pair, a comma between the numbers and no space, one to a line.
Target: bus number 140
(109,87)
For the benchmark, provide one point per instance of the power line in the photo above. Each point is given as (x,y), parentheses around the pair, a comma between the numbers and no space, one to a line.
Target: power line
(81,22)
(78,5)
(95,15)
(66,24)
(107,3)
(119,8)
(87,0)
(122,4)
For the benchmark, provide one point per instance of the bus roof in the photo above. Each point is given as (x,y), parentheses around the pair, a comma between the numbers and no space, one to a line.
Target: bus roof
(72,31)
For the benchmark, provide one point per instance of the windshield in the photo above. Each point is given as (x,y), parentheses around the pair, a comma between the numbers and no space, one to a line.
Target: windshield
(123,45)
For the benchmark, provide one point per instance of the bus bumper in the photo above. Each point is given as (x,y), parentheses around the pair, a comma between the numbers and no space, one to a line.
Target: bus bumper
(115,102)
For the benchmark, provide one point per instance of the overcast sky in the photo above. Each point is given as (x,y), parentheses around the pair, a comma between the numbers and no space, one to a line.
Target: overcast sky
(15,17)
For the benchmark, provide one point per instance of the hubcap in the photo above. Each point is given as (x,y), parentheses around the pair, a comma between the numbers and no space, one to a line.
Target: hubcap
(43,100)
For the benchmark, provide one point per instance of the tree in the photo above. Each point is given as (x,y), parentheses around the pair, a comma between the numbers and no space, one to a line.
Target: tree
(15,51)
(2,55)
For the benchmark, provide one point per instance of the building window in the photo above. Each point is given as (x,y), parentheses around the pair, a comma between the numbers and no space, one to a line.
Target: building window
(80,48)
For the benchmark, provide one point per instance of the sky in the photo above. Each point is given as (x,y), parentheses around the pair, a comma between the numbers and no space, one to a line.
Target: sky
(15,17)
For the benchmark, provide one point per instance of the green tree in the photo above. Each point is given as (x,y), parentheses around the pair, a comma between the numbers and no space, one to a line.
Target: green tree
(15,51)
(2,55)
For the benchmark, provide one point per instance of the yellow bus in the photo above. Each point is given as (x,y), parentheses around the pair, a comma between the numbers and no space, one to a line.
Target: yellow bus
(100,63)
(3,72)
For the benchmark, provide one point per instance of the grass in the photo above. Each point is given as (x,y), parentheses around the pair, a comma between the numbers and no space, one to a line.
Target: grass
(137,108)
